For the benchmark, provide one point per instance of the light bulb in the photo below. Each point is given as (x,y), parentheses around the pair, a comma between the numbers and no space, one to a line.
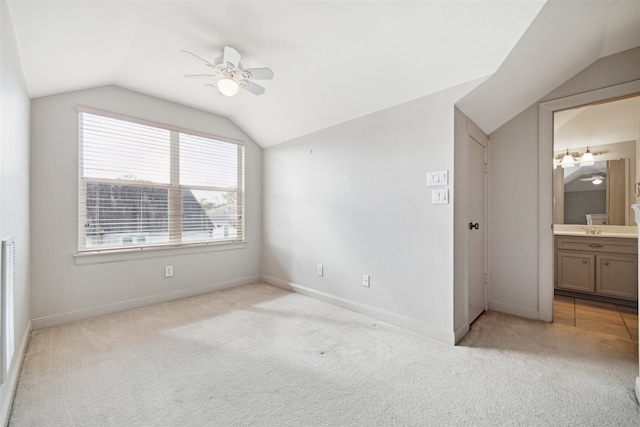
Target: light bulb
(228,87)
(597,181)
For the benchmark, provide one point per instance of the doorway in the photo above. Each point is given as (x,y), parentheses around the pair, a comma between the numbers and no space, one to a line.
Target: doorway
(477,227)
(546,195)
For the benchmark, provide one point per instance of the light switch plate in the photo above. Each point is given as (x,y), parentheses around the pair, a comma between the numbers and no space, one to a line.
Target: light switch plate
(440,196)
(437,178)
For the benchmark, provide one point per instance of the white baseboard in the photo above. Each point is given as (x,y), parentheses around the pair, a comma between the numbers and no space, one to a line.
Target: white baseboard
(461,331)
(89,313)
(12,379)
(516,310)
(447,337)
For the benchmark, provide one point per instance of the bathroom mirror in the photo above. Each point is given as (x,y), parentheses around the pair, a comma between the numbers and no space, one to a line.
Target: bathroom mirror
(594,194)
(601,192)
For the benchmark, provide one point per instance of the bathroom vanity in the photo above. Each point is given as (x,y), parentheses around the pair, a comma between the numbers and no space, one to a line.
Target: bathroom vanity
(597,265)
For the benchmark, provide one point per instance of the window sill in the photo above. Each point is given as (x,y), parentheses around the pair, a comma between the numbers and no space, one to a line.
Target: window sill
(119,255)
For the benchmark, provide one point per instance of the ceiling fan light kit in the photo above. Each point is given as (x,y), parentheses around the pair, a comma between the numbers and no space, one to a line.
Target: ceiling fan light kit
(228,87)
(230,75)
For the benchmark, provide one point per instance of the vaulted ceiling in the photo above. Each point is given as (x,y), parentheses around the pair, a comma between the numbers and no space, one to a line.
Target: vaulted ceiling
(333,60)
(599,124)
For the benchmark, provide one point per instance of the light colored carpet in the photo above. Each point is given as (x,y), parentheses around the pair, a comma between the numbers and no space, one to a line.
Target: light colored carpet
(258,355)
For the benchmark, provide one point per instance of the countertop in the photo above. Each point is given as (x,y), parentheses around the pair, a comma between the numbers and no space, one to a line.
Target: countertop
(619,231)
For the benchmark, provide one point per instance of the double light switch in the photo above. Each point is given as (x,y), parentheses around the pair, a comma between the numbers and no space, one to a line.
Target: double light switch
(439,196)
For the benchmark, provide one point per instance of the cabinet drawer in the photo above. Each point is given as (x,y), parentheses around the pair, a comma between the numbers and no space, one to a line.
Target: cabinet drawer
(597,244)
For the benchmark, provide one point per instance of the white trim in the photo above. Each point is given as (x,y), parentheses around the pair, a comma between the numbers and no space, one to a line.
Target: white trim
(144,252)
(89,313)
(545,213)
(638,389)
(515,310)
(545,181)
(447,337)
(12,378)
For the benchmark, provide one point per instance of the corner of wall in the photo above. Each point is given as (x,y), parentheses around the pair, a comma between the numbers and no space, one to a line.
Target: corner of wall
(418,327)
(15,115)
(10,386)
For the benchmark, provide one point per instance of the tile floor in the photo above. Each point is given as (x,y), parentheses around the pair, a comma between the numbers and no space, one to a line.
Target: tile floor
(612,319)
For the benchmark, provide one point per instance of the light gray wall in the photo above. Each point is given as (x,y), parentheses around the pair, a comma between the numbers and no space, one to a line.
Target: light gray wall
(353,198)
(62,290)
(14,187)
(513,187)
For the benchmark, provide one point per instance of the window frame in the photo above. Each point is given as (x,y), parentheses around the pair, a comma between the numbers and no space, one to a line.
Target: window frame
(174,188)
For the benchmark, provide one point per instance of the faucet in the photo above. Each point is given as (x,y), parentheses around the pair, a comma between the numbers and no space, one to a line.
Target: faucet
(592,231)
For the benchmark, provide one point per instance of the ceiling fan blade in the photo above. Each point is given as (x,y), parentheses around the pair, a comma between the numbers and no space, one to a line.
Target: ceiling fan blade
(197,76)
(231,56)
(252,87)
(201,59)
(260,73)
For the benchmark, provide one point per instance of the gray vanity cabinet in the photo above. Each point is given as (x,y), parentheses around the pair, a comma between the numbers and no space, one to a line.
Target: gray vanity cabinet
(601,266)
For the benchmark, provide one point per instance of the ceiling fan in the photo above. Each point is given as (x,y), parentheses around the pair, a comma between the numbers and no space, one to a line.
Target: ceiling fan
(230,75)
(596,179)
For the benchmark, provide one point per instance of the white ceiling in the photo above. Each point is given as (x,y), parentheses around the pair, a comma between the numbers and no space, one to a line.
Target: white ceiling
(333,60)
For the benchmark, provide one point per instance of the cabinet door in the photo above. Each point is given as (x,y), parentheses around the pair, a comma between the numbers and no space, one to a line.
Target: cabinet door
(617,276)
(575,271)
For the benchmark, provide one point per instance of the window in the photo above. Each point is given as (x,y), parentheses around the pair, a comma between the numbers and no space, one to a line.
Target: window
(143,184)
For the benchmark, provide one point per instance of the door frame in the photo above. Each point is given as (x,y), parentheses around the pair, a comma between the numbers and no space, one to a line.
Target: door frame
(545,181)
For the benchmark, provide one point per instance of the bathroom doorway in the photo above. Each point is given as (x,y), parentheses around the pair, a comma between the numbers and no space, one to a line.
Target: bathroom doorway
(590,199)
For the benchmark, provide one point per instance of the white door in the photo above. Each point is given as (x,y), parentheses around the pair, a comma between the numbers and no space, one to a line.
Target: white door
(476,228)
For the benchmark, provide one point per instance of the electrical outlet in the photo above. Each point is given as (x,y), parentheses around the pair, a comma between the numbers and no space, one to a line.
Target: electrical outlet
(366,281)
(168,271)
(320,270)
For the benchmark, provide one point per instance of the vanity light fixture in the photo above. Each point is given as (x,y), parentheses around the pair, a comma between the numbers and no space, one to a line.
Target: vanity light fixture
(568,161)
(587,160)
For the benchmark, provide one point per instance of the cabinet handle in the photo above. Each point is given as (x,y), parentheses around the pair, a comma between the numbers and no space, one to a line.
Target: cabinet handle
(596,246)
(606,263)
(584,261)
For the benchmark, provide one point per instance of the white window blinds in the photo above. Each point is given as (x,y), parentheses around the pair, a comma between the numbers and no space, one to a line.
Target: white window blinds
(144,184)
